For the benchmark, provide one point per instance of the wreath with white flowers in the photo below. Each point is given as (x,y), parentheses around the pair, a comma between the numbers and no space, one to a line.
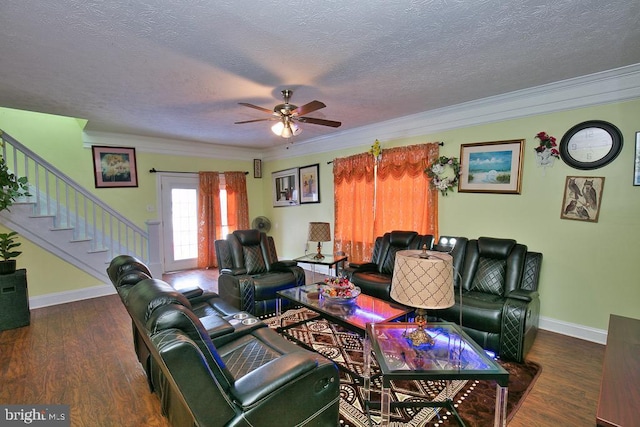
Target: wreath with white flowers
(436,170)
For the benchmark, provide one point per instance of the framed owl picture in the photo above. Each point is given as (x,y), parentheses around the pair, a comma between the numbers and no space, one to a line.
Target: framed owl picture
(582,198)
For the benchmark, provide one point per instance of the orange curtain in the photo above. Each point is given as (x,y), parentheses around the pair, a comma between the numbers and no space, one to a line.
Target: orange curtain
(237,202)
(209,219)
(399,190)
(353,202)
(405,200)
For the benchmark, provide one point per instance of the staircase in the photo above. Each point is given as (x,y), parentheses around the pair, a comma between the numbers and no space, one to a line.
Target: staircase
(67,220)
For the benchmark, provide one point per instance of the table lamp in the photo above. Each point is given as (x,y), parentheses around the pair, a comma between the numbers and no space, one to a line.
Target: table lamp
(423,283)
(319,232)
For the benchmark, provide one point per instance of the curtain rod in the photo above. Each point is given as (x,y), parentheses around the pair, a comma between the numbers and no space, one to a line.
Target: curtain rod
(439,143)
(153,170)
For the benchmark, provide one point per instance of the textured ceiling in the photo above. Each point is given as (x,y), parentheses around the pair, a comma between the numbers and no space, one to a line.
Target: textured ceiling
(178,68)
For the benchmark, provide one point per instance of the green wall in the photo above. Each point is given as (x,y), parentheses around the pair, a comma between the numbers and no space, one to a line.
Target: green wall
(59,140)
(588,270)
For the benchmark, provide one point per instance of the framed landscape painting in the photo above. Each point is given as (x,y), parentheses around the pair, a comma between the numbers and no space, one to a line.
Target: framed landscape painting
(491,167)
(114,167)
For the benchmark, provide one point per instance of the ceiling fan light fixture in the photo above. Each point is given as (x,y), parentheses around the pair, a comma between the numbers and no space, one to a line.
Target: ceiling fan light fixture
(278,128)
(287,132)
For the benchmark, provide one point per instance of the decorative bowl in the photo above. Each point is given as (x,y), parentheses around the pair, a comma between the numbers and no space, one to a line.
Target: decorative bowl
(340,294)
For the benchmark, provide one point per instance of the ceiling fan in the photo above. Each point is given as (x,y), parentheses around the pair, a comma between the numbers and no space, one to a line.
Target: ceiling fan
(288,114)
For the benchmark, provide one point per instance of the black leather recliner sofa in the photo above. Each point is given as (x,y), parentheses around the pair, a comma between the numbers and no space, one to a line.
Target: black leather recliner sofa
(251,274)
(221,366)
(500,303)
(374,277)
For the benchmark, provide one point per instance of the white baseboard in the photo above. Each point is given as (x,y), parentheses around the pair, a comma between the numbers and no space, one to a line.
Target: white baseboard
(70,296)
(574,330)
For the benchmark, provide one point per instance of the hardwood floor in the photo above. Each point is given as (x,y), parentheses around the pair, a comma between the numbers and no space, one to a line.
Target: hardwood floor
(81,354)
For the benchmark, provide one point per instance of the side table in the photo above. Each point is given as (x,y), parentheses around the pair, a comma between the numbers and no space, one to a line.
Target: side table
(328,260)
(453,356)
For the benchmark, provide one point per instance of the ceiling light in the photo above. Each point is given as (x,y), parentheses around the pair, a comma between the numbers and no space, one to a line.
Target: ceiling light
(286,130)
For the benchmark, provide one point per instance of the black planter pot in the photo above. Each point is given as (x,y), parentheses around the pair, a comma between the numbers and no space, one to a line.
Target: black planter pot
(8,266)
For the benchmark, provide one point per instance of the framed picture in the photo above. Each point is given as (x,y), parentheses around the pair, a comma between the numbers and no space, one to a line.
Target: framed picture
(636,167)
(582,198)
(114,167)
(286,188)
(310,182)
(257,168)
(491,167)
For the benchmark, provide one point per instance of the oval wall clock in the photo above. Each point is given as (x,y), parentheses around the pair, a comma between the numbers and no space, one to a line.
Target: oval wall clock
(591,145)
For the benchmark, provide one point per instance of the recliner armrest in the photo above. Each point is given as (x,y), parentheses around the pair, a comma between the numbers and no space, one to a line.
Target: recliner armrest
(283,265)
(216,326)
(191,292)
(234,271)
(364,266)
(523,295)
(269,377)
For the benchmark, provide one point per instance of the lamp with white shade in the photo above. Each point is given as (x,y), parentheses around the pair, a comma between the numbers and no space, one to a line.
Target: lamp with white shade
(425,283)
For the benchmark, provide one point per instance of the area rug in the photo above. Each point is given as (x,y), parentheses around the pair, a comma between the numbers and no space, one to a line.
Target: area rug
(474,400)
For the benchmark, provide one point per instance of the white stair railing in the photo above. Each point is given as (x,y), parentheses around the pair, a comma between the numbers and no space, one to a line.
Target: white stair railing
(71,206)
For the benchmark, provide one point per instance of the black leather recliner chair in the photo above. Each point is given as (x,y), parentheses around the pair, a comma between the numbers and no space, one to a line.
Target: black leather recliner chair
(250,273)
(374,277)
(211,368)
(500,303)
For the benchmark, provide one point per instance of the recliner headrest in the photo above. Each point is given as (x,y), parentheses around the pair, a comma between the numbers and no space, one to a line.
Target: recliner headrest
(491,247)
(401,238)
(248,237)
(122,264)
(149,294)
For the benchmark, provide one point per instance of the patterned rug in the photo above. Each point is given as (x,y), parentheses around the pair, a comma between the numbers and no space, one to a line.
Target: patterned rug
(474,400)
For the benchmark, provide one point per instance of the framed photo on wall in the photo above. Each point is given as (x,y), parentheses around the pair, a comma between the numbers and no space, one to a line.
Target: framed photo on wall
(257,168)
(114,167)
(582,198)
(286,189)
(491,167)
(310,183)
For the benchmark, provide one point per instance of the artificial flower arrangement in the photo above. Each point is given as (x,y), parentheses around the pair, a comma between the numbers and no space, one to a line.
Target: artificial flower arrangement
(376,150)
(436,171)
(547,142)
(339,287)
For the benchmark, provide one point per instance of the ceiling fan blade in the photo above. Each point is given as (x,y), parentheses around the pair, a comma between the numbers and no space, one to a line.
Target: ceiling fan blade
(254,120)
(266,110)
(322,122)
(308,108)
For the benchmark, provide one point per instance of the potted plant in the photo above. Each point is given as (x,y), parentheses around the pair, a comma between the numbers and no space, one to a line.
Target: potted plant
(11,186)
(8,244)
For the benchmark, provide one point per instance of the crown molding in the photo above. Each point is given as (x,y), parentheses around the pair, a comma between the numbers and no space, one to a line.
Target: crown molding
(166,146)
(617,85)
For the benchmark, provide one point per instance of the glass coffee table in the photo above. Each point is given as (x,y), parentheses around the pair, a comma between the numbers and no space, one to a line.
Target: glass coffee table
(452,356)
(353,315)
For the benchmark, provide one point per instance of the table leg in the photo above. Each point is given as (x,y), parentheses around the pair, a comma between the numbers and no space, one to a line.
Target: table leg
(279,309)
(500,419)
(366,349)
(385,406)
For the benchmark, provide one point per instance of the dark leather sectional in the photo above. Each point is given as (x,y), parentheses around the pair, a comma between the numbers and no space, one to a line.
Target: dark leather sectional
(213,365)
(499,282)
